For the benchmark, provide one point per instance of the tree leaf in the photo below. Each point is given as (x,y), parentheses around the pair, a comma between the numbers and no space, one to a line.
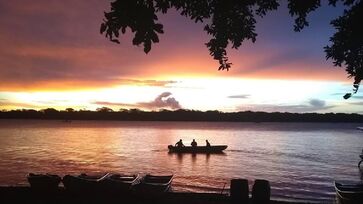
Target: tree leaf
(103,28)
(158,28)
(347,95)
(147,46)
(115,41)
(154,37)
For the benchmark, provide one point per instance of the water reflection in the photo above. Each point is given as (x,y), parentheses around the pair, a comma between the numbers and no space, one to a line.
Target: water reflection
(207,158)
(297,159)
(195,157)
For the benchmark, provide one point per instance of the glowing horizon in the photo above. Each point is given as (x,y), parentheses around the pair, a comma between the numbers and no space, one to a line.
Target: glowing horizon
(58,60)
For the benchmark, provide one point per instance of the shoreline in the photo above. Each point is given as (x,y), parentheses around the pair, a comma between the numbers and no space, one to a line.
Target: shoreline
(181,115)
(25,194)
(61,121)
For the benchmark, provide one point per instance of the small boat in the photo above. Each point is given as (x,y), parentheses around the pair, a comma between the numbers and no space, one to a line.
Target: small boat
(83,183)
(198,149)
(44,181)
(360,128)
(154,185)
(349,192)
(119,183)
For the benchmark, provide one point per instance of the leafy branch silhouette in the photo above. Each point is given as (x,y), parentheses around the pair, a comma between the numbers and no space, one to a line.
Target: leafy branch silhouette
(230,22)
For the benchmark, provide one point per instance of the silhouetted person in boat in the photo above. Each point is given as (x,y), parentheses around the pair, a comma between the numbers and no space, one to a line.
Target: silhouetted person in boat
(179,144)
(207,143)
(194,143)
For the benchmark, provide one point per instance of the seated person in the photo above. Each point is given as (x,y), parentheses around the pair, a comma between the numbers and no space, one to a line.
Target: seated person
(194,143)
(179,144)
(208,144)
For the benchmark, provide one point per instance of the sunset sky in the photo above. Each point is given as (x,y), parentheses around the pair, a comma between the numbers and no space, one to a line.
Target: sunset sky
(52,55)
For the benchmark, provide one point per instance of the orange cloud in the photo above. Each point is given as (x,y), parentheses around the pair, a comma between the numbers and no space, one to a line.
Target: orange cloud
(80,85)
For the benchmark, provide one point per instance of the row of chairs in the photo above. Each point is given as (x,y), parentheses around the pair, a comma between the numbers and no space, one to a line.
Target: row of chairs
(260,194)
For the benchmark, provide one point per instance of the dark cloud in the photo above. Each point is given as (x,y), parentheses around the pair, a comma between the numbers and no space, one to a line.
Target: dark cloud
(61,82)
(58,42)
(313,105)
(317,103)
(51,42)
(240,96)
(164,100)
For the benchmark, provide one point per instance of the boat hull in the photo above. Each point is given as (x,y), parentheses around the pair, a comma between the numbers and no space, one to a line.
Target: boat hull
(83,184)
(198,149)
(154,185)
(349,193)
(44,182)
(119,184)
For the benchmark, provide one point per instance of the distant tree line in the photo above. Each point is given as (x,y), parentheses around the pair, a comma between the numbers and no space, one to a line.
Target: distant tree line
(106,113)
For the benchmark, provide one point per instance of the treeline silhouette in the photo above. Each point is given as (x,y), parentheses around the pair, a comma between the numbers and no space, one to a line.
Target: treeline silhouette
(177,115)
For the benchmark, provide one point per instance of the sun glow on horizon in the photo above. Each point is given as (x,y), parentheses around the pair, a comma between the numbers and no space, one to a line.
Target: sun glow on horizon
(224,94)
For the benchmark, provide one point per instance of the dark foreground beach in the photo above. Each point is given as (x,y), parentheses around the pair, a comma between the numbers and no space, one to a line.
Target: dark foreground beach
(24,194)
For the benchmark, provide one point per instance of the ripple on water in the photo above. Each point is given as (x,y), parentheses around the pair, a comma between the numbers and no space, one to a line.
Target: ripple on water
(300,160)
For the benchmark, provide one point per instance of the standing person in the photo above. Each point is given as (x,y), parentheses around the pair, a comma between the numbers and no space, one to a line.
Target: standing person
(207,143)
(179,144)
(194,143)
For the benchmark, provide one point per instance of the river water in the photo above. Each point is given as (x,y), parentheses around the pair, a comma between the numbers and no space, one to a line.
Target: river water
(301,160)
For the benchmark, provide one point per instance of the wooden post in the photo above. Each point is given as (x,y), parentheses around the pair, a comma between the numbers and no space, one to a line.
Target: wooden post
(239,191)
(261,192)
